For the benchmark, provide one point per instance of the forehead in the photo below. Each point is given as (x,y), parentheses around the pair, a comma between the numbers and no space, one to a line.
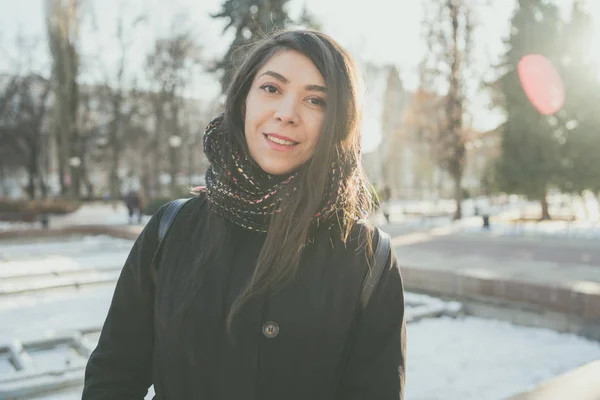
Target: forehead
(295,67)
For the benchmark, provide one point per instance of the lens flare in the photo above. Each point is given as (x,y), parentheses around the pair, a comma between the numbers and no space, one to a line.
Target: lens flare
(542,83)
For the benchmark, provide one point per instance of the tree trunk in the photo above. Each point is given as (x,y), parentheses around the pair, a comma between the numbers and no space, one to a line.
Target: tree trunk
(30,186)
(32,172)
(62,162)
(453,145)
(43,187)
(146,181)
(115,145)
(75,169)
(86,180)
(545,208)
(440,183)
(190,164)
(3,182)
(155,150)
(115,182)
(458,194)
(75,183)
(156,169)
(174,167)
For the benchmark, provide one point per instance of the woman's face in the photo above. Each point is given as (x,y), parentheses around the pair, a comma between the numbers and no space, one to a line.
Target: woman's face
(284,112)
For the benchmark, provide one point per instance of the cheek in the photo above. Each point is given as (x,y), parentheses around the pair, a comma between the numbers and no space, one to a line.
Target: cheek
(314,130)
(251,114)
(250,130)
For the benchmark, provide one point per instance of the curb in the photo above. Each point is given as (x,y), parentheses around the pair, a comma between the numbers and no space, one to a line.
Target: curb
(579,301)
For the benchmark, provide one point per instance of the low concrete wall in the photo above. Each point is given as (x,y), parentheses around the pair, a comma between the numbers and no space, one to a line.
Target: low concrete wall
(581,303)
(579,384)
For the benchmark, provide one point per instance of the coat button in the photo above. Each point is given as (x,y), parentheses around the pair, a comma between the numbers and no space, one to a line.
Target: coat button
(270,330)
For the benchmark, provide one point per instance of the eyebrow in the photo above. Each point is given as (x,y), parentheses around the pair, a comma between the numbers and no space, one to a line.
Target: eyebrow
(283,79)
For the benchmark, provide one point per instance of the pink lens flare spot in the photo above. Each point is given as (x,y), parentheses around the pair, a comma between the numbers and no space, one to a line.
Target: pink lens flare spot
(542,83)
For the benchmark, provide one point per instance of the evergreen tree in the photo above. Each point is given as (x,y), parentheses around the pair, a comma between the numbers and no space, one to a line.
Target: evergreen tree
(530,160)
(251,20)
(580,155)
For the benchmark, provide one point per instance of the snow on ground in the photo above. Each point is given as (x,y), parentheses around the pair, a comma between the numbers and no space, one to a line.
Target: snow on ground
(97,213)
(409,213)
(42,313)
(478,359)
(35,312)
(463,358)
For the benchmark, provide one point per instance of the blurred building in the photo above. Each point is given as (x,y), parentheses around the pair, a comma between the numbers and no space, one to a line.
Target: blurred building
(385,103)
(405,125)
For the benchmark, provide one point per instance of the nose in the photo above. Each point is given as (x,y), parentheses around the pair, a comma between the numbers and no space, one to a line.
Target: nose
(286,111)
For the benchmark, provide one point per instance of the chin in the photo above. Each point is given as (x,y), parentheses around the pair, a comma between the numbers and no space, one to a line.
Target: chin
(276,168)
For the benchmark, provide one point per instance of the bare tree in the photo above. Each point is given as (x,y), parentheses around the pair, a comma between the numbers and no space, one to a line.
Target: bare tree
(122,101)
(22,134)
(170,66)
(24,98)
(449,31)
(9,160)
(62,23)
(8,89)
(29,132)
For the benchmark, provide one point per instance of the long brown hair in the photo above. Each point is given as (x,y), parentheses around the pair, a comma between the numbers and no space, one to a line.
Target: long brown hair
(290,229)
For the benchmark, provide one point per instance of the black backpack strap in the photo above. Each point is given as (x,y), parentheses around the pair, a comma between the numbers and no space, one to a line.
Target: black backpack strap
(168,217)
(384,244)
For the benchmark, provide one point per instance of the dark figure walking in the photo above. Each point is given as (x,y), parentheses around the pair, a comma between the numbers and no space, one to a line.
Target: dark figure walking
(134,206)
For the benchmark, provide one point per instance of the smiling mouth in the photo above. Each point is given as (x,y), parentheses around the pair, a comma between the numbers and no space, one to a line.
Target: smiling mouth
(280,141)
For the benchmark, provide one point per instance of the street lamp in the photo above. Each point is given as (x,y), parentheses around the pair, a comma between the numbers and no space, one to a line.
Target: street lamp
(75,162)
(175,141)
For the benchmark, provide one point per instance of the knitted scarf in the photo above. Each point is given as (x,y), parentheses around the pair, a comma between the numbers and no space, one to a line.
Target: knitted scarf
(240,191)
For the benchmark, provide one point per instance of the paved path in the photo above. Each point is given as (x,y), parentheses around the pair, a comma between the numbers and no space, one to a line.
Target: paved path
(537,260)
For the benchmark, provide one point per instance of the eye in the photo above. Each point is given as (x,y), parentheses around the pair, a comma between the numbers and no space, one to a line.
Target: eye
(317,101)
(269,88)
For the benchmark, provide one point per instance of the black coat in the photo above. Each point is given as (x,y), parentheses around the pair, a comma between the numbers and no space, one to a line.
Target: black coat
(310,340)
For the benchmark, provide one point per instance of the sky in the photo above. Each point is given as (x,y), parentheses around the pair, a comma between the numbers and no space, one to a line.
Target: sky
(376,31)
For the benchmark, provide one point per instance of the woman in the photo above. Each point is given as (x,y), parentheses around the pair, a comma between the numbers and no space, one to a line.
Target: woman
(254,293)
